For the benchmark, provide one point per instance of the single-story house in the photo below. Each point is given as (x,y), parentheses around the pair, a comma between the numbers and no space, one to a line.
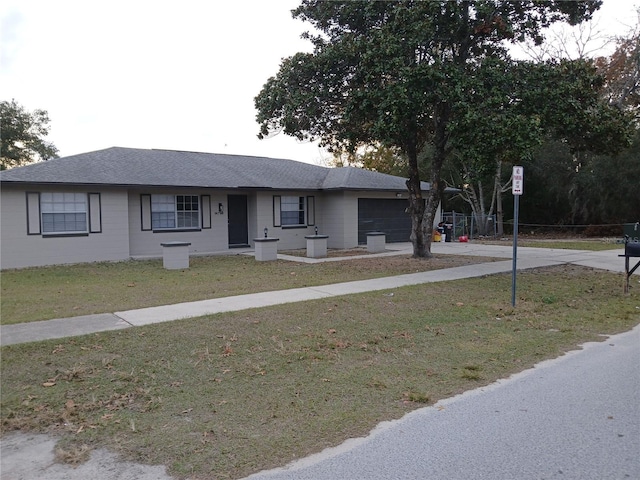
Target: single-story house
(123,203)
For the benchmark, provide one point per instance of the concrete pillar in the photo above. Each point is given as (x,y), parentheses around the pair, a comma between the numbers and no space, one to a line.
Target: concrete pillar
(376,242)
(266,249)
(316,246)
(175,255)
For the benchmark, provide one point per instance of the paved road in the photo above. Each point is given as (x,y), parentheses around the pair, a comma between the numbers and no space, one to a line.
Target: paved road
(576,417)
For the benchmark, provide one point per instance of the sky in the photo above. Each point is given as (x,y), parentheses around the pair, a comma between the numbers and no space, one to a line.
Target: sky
(164,74)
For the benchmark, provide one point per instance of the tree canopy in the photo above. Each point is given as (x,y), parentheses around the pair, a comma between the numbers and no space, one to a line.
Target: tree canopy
(401,74)
(621,72)
(22,135)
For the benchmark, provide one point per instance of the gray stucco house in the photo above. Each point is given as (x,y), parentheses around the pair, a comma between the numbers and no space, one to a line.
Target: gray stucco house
(122,203)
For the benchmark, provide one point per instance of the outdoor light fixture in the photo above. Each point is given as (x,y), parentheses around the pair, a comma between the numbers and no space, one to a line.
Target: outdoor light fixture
(316,230)
(399,195)
(266,230)
(220,211)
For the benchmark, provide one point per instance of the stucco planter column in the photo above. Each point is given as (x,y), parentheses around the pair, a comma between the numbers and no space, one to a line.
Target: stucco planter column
(175,255)
(266,249)
(376,242)
(316,246)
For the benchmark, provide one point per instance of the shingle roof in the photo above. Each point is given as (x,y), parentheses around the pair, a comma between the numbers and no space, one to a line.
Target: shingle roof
(138,167)
(358,178)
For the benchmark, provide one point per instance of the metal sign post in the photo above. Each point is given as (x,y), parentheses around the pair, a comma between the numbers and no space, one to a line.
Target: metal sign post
(517,183)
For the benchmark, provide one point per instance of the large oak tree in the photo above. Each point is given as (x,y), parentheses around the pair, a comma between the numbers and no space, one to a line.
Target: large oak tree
(396,73)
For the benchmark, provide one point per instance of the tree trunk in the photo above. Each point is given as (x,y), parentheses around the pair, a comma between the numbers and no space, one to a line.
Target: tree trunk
(498,194)
(422,216)
(441,119)
(416,205)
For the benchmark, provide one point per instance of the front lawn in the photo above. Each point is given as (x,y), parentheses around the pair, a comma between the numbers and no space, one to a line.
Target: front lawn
(226,395)
(62,291)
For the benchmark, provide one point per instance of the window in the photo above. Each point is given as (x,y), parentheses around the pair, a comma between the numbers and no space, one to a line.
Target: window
(292,211)
(63,212)
(175,212)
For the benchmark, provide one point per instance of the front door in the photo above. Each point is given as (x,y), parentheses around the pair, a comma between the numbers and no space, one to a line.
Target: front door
(238,225)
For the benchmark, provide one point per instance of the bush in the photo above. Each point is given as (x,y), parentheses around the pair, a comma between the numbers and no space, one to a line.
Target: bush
(603,231)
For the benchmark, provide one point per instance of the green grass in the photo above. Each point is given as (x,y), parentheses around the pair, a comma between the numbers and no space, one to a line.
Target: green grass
(567,244)
(33,294)
(239,392)
(592,245)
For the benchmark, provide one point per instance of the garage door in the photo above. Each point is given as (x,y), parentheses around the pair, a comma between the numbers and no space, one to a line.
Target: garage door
(383,215)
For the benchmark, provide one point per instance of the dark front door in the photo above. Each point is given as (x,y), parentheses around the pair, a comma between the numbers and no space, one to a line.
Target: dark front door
(238,225)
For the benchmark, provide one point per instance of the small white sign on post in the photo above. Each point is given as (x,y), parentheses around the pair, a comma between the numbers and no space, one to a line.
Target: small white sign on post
(517,186)
(517,181)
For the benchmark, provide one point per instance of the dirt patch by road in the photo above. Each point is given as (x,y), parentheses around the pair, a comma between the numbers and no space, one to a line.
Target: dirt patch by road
(29,456)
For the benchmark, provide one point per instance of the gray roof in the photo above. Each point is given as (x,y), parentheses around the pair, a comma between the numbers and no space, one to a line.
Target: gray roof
(163,168)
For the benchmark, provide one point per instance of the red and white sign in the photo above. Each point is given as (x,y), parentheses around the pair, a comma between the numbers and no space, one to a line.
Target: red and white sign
(517,181)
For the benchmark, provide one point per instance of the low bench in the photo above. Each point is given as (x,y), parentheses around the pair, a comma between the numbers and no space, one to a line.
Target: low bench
(631,250)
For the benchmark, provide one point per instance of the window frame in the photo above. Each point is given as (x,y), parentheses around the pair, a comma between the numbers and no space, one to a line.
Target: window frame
(300,212)
(178,222)
(306,215)
(68,207)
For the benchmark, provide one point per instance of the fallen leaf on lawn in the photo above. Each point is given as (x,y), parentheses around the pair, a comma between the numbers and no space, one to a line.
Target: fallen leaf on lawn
(332,331)
(48,384)
(131,284)
(459,304)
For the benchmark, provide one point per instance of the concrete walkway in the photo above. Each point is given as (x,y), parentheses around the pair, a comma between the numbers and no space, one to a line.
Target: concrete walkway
(527,258)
